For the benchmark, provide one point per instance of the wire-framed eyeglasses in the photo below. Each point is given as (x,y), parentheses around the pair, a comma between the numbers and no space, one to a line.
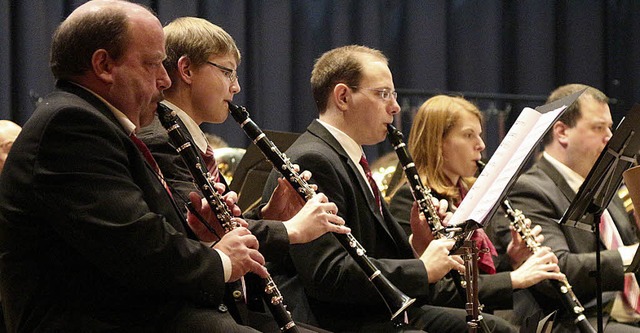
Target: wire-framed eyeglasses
(231,74)
(384,93)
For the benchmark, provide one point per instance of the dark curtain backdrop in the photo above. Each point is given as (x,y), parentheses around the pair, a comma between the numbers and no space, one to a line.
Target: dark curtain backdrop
(523,47)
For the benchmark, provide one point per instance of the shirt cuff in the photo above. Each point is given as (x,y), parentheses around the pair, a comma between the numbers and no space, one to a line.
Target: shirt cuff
(226,265)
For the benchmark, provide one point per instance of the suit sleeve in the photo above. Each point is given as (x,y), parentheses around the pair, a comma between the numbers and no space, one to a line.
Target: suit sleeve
(325,267)
(99,195)
(573,247)
(272,235)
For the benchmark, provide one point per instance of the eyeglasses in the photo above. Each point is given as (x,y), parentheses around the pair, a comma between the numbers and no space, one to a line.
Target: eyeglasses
(228,72)
(384,93)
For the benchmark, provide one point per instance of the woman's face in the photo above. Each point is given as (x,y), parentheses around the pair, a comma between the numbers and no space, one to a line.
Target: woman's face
(462,147)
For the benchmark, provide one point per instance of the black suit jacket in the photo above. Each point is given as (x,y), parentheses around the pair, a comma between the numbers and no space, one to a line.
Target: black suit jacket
(272,235)
(274,241)
(89,238)
(495,290)
(543,196)
(340,295)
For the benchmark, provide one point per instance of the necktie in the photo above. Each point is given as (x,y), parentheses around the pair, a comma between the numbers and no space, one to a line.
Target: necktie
(372,182)
(612,240)
(149,158)
(212,165)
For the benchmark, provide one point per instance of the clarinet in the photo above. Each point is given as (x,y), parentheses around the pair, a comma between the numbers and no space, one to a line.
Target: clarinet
(396,300)
(421,194)
(475,321)
(191,157)
(423,197)
(568,298)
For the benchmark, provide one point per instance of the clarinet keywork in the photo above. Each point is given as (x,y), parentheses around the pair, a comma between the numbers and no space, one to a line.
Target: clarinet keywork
(201,176)
(396,301)
(567,297)
(423,197)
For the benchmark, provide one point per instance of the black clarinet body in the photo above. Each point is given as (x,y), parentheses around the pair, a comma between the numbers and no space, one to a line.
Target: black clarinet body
(567,296)
(192,159)
(396,300)
(422,195)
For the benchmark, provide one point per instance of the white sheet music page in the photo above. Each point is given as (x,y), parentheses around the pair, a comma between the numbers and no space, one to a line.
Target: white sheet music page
(521,139)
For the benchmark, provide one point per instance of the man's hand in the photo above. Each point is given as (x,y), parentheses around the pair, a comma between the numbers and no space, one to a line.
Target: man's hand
(421,234)
(285,201)
(231,199)
(437,260)
(317,217)
(442,207)
(540,266)
(201,206)
(242,248)
(517,249)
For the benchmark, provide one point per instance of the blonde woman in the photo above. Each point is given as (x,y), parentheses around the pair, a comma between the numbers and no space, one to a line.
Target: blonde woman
(445,142)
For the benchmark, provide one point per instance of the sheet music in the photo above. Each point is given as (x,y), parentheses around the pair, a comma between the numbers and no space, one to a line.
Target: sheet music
(521,139)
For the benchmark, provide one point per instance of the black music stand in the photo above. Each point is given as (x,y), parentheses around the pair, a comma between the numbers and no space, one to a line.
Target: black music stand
(601,185)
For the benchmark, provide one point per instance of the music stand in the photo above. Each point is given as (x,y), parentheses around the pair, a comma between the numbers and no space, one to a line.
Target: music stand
(601,185)
(253,170)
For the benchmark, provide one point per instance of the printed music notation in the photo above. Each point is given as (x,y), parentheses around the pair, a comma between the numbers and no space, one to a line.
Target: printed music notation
(508,160)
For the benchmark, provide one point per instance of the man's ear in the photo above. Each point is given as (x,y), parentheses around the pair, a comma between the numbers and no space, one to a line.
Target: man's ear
(341,96)
(102,65)
(185,69)
(560,133)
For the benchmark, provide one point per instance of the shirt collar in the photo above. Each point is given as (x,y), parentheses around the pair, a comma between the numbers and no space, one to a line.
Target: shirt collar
(197,134)
(573,178)
(353,149)
(124,121)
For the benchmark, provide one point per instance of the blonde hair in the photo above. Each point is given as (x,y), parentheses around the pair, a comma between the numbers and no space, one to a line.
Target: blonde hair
(432,123)
(198,39)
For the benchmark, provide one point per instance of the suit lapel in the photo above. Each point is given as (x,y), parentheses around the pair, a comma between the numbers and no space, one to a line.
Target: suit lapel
(363,186)
(615,207)
(557,178)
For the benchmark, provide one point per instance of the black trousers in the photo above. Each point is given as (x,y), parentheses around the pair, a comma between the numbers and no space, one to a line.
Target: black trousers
(437,319)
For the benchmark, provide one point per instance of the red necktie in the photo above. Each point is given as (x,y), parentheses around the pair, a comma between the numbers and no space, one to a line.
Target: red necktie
(610,236)
(149,158)
(212,165)
(372,182)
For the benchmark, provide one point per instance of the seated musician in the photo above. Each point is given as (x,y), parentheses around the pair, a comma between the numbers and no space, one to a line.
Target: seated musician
(446,144)
(544,193)
(202,62)
(354,93)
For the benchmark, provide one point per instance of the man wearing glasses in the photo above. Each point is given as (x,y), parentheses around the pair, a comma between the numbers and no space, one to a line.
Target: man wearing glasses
(354,93)
(201,61)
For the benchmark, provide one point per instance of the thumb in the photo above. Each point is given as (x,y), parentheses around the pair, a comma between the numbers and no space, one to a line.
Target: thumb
(196,200)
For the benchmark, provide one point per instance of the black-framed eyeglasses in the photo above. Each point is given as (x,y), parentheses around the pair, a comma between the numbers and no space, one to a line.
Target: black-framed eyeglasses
(384,93)
(231,74)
